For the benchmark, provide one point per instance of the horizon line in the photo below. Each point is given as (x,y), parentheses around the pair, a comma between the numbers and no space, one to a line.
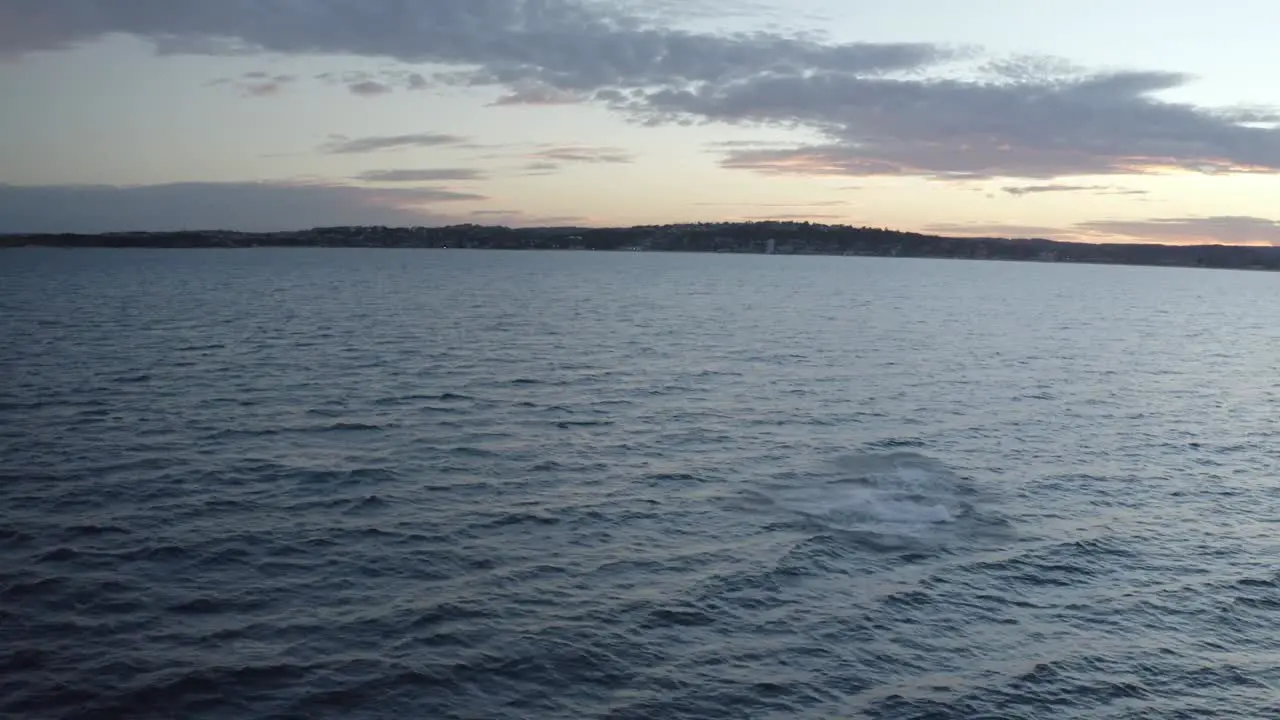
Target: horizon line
(517,228)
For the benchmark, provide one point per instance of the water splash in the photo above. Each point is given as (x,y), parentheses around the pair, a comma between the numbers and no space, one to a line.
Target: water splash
(897,493)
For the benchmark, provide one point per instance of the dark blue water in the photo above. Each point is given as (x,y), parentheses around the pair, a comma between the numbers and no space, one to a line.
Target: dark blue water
(437,484)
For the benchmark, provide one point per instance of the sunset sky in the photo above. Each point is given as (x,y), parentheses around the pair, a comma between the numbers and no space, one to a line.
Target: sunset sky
(1103,120)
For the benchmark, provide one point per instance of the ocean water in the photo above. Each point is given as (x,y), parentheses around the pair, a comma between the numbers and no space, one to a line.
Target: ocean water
(470,484)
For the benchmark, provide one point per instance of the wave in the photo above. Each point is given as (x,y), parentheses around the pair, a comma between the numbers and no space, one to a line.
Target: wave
(419,398)
(545,466)
(346,426)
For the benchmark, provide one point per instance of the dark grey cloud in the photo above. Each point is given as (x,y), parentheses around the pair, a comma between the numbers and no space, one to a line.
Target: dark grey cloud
(369,88)
(231,206)
(950,129)
(422,175)
(878,108)
(1224,229)
(570,44)
(342,145)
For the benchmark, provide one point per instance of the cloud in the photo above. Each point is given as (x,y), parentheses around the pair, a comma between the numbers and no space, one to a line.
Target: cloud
(720,145)
(544,159)
(257,83)
(373,84)
(424,175)
(231,206)
(570,44)
(877,108)
(548,159)
(541,167)
(1022,190)
(369,88)
(1225,229)
(667,10)
(584,154)
(341,145)
(949,129)
(1019,191)
(537,93)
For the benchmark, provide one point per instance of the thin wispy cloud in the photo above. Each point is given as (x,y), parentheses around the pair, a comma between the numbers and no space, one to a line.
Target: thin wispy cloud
(585,154)
(1020,191)
(541,167)
(375,84)
(538,93)
(1024,190)
(549,159)
(345,146)
(256,83)
(421,175)
(722,145)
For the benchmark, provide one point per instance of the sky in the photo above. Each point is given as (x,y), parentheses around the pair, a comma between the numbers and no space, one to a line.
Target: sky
(1095,120)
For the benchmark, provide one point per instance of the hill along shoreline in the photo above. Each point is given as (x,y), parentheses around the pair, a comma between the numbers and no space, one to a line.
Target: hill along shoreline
(782,238)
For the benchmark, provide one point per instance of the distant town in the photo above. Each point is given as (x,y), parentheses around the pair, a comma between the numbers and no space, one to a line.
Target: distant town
(769,237)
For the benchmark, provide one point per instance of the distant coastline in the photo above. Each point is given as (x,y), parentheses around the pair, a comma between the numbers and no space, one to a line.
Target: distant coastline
(782,238)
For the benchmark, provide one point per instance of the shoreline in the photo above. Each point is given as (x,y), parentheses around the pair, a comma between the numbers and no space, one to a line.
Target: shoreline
(763,238)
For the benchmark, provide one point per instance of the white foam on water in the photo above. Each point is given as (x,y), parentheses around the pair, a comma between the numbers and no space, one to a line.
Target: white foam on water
(899,493)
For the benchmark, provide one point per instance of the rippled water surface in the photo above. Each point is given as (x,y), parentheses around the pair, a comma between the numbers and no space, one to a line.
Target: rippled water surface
(437,484)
